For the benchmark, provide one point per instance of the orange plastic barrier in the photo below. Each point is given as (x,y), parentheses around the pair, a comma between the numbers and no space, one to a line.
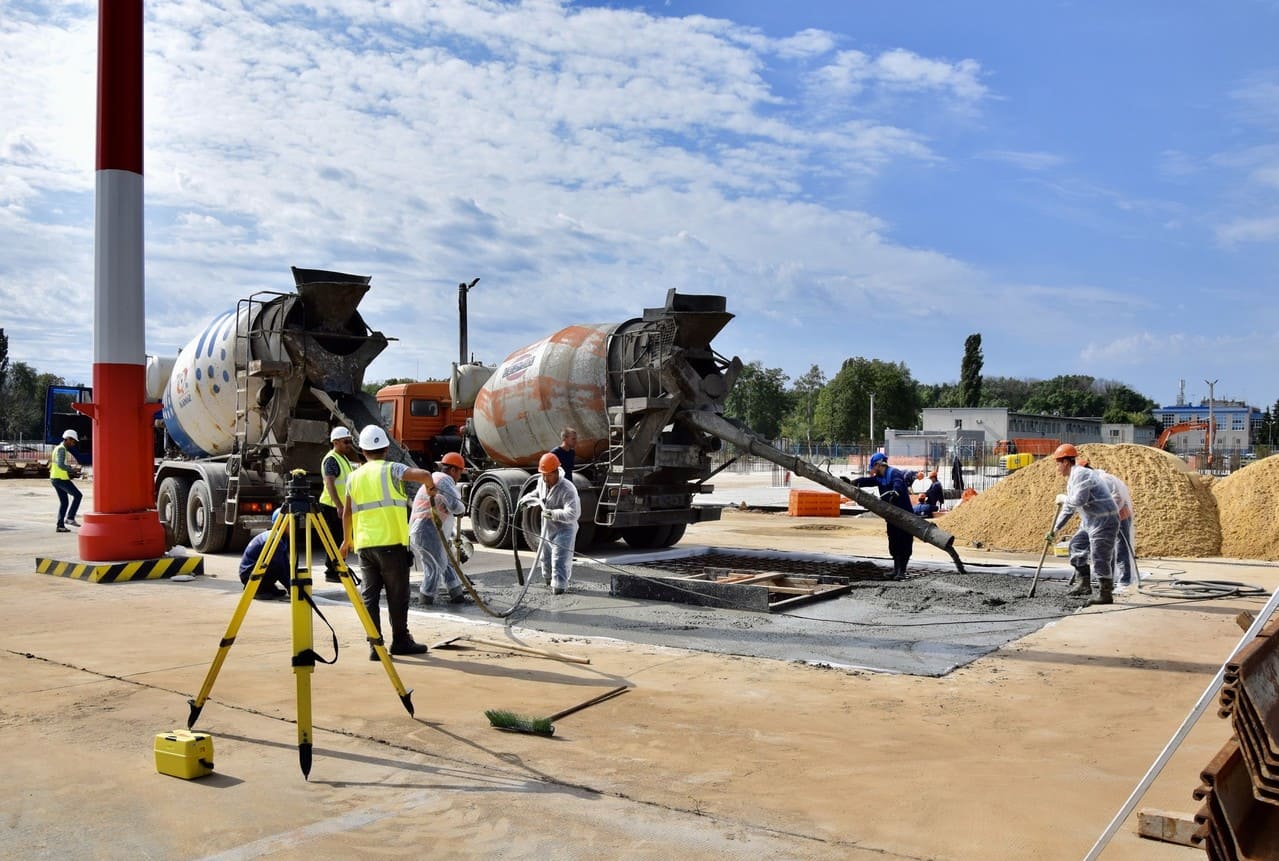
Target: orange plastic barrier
(813,503)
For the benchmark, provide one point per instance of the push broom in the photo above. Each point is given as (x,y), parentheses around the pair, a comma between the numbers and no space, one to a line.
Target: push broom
(512,722)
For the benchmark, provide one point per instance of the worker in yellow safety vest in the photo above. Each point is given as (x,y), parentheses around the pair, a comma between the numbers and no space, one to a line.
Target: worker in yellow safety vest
(335,468)
(375,523)
(61,464)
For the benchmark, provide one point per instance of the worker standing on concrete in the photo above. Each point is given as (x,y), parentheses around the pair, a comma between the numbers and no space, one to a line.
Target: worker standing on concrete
(61,464)
(894,487)
(425,538)
(1126,543)
(335,468)
(561,508)
(1092,549)
(375,523)
(566,451)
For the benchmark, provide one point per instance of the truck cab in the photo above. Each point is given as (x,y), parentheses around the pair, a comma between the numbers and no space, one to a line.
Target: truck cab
(422,418)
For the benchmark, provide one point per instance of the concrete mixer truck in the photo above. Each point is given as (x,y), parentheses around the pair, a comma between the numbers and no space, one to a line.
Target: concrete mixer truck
(638,472)
(253,397)
(646,398)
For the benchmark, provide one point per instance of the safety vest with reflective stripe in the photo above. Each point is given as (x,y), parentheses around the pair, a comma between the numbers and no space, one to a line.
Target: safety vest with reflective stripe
(58,462)
(344,470)
(379,506)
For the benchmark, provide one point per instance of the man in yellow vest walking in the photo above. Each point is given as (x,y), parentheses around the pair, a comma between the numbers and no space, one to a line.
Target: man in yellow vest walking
(375,522)
(335,468)
(61,464)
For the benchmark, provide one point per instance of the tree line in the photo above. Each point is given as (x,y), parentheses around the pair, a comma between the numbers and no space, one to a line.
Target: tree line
(815,409)
(22,390)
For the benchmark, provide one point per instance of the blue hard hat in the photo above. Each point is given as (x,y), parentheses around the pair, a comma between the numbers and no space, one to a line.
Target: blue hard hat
(876,459)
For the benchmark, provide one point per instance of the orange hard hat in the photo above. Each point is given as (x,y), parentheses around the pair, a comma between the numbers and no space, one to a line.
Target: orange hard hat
(548,463)
(1065,450)
(452,458)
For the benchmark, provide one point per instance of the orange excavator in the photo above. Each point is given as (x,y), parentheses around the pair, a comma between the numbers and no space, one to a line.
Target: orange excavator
(1209,427)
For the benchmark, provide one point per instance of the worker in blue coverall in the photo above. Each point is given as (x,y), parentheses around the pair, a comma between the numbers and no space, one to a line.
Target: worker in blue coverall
(894,487)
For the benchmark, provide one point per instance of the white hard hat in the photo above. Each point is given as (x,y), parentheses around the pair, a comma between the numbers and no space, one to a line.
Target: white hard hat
(70,434)
(373,438)
(339,433)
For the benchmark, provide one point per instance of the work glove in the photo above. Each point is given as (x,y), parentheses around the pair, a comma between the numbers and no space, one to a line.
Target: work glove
(1050,537)
(1061,499)
(530,499)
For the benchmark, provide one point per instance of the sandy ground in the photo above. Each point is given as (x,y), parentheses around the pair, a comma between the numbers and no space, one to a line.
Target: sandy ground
(1025,753)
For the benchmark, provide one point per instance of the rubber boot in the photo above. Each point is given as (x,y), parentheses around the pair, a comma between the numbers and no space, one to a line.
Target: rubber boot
(1107,595)
(1083,584)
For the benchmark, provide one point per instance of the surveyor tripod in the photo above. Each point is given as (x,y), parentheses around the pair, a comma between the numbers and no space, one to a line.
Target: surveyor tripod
(298,504)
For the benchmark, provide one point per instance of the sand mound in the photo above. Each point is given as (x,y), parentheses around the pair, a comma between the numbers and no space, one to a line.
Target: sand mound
(1248,502)
(1176,513)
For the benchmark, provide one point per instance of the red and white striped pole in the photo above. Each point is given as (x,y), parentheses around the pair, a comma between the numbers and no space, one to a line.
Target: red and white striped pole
(124,524)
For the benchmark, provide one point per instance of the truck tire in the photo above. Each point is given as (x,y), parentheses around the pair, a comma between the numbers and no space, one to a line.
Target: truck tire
(171,505)
(677,532)
(647,537)
(205,526)
(491,515)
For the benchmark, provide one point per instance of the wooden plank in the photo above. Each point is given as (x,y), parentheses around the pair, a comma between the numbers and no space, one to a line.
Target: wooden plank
(1169,827)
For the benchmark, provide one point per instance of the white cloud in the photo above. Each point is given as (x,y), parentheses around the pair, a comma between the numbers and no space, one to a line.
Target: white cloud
(1032,161)
(1242,230)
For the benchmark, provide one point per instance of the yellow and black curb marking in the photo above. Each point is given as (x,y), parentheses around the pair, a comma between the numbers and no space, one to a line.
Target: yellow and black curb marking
(117,572)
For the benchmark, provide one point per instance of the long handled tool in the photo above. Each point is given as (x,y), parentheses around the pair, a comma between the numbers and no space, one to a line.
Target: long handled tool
(512,722)
(1047,543)
(513,647)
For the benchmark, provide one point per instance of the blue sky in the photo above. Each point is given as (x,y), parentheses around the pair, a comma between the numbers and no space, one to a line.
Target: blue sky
(1094,187)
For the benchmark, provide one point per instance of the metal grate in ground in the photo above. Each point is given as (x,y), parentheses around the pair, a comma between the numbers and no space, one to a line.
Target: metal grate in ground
(847,571)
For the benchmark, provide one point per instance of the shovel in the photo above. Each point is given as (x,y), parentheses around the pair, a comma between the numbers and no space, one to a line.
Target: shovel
(1047,543)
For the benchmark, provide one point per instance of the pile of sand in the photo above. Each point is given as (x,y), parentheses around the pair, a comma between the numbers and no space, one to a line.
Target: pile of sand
(1248,501)
(1176,512)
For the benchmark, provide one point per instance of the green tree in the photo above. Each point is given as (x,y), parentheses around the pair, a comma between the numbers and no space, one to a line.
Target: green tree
(1007,392)
(372,388)
(23,397)
(938,395)
(800,423)
(843,408)
(759,399)
(4,373)
(1066,395)
(970,372)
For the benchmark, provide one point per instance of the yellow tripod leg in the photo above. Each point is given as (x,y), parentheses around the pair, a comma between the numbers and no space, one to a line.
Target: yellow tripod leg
(357,601)
(303,637)
(237,618)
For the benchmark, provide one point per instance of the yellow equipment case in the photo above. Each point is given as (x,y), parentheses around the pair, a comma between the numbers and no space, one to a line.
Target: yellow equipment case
(185,754)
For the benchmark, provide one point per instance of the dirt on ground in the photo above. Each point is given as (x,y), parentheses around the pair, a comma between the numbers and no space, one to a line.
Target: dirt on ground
(1025,753)
(1248,504)
(1176,510)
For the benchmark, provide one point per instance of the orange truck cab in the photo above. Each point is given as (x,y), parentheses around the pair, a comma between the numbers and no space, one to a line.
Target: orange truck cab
(421,417)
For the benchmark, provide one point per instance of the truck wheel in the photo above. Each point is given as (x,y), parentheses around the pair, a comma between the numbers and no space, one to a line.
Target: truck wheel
(585,536)
(647,537)
(490,515)
(204,520)
(677,532)
(531,527)
(171,505)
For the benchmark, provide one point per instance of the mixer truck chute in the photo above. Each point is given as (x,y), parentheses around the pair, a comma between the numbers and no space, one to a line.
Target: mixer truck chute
(253,397)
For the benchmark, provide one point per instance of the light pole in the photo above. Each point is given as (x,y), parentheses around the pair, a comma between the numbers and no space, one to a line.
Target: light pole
(872,423)
(1212,428)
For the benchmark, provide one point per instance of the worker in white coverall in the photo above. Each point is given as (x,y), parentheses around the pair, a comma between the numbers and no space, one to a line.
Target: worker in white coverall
(1126,543)
(424,537)
(1092,549)
(561,508)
